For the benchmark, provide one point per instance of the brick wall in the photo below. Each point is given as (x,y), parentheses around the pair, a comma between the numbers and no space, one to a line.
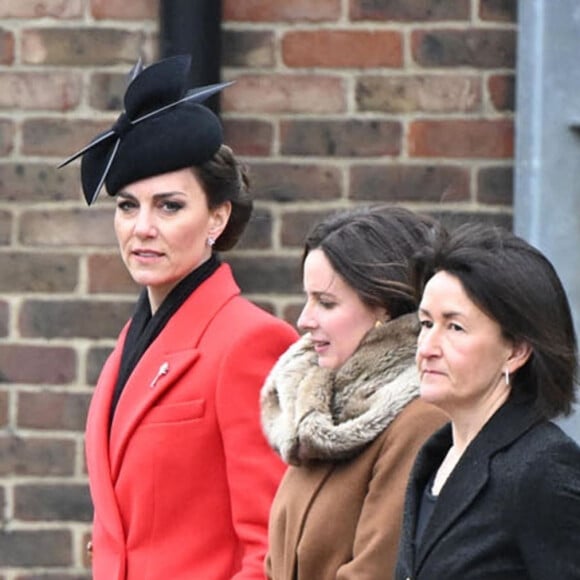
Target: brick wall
(336,103)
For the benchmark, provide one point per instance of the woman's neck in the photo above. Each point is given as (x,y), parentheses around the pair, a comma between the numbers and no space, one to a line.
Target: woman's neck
(467,423)
(464,427)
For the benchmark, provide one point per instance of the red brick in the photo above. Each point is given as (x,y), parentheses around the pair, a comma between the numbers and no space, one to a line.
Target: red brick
(42,136)
(502,90)
(356,138)
(68,227)
(249,136)
(462,139)
(83,46)
(6,47)
(29,182)
(419,93)
(4,318)
(258,233)
(266,275)
(6,137)
(50,548)
(106,91)
(297,224)
(248,48)
(477,48)
(52,410)
(52,502)
(499,10)
(291,313)
(28,456)
(409,10)
(495,186)
(5,228)
(286,94)
(291,182)
(452,219)
(3,418)
(96,358)
(268,11)
(39,365)
(62,9)
(342,48)
(73,318)
(34,272)
(52,91)
(107,275)
(125,9)
(412,183)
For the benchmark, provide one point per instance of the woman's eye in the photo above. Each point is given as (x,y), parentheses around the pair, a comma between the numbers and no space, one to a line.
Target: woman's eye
(327,304)
(171,206)
(456,327)
(425,323)
(125,205)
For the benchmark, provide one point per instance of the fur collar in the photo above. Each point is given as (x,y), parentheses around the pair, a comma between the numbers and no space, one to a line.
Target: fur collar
(311,413)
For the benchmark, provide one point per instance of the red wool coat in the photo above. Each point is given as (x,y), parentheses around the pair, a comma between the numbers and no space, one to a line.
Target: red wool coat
(183,486)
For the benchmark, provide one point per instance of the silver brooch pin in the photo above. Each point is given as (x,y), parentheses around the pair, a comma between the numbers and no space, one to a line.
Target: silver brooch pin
(163,370)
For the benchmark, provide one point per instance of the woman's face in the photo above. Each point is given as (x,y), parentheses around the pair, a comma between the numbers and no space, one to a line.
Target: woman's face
(334,314)
(461,353)
(162,225)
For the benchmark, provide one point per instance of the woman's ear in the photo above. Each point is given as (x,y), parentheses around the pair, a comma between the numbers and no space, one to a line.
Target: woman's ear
(382,314)
(521,352)
(219,219)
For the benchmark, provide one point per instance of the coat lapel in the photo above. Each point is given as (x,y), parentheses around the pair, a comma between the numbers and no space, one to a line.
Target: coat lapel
(311,479)
(428,459)
(463,486)
(472,473)
(171,354)
(153,376)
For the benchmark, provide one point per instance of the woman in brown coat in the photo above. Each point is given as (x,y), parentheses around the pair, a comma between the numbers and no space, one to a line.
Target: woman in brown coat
(341,406)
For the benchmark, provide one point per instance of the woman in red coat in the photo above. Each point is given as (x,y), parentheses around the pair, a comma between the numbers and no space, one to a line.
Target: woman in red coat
(181,477)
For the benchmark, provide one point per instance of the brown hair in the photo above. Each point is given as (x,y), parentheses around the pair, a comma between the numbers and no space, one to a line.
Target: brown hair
(223,179)
(370,247)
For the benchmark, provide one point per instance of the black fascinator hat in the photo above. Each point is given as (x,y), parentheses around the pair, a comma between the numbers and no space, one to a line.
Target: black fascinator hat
(163,128)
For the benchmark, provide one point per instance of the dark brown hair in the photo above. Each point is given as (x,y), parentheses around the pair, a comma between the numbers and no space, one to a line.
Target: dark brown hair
(518,287)
(370,248)
(223,179)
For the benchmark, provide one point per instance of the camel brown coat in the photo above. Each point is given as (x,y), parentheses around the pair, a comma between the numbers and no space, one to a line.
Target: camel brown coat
(351,437)
(341,521)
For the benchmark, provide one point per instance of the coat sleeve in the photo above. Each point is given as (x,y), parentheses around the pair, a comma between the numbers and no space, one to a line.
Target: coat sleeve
(253,469)
(377,535)
(548,513)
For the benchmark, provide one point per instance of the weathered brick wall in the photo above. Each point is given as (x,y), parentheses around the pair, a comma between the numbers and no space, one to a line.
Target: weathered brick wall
(336,103)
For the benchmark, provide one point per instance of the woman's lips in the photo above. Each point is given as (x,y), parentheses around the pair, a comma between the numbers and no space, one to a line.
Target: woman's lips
(320,346)
(146,255)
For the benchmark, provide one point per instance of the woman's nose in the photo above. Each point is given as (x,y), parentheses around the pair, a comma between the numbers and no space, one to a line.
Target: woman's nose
(428,343)
(306,320)
(144,226)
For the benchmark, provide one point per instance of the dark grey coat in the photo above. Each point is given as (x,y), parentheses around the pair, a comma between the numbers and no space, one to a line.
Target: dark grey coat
(510,510)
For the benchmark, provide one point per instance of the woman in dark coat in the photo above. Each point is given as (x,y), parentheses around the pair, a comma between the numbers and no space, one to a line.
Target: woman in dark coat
(496,493)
